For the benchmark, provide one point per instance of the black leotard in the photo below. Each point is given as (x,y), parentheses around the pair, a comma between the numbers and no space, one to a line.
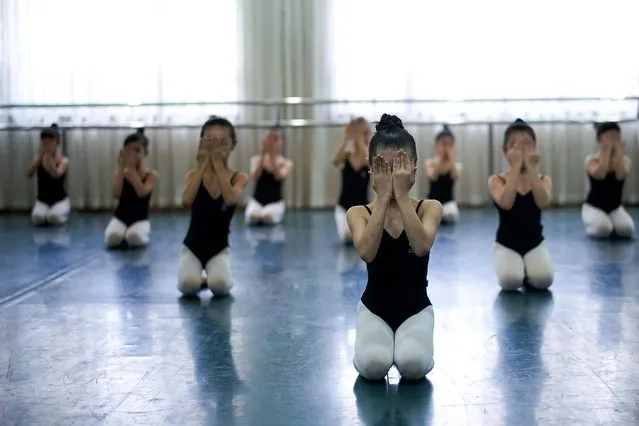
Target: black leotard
(397,280)
(520,227)
(605,194)
(50,190)
(131,208)
(268,190)
(442,188)
(354,186)
(208,232)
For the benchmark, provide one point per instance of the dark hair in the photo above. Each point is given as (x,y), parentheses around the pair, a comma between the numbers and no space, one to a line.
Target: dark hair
(606,126)
(390,134)
(213,121)
(445,132)
(138,136)
(50,132)
(519,125)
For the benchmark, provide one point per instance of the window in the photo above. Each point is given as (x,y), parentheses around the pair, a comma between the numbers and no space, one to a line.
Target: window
(493,49)
(119,51)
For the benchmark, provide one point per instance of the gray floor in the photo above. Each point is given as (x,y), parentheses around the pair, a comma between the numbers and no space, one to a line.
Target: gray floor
(90,337)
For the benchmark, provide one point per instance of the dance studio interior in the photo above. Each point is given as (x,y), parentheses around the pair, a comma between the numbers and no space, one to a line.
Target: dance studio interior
(319,212)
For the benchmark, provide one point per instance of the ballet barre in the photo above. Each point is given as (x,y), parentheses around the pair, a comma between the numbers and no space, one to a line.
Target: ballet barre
(292,123)
(313,101)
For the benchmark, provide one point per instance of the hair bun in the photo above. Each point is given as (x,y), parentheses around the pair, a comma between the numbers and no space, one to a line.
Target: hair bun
(389,123)
(520,121)
(140,131)
(54,126)
(445,128)
(212,117)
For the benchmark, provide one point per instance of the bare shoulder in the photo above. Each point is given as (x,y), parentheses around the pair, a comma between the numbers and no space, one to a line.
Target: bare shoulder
(430,208)
(357,212)
(627,160)
(496,179)
(239,178)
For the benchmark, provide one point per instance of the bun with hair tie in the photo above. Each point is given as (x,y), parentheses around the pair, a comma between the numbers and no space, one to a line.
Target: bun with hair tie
(54,126)
(389,123)
(520,121)
(140,131)
(445,128)
(212,117)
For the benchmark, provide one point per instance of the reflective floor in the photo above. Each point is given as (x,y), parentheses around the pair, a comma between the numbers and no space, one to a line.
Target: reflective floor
(90,337)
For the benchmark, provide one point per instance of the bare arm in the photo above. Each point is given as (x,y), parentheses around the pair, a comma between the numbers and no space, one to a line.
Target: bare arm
(193,180)
(456,170)
(597,167)
(621,166)
(257,166)
(231,192)
(33,167)
(141,188)
(432,169)
(504,193)
(117,180)
(367,230)
(541,190)
(340,154)
(283,170)
(57,170)
(421,227)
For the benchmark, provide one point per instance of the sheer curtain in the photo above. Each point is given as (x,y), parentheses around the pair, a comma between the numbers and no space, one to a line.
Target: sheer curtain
(460,49)
(117,51)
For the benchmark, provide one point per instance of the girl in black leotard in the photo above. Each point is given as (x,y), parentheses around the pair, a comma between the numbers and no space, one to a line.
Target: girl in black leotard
(442,172)
(603,212)
(520,194)
(52,204)
(394,235)
(132,185)
(268,170)
(212,192)
(352,157)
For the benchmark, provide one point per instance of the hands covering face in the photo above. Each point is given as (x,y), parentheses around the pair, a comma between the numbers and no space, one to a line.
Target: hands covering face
(392,181)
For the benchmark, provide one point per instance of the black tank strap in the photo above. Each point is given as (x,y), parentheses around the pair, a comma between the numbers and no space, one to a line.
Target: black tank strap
(368,210)
(419,204)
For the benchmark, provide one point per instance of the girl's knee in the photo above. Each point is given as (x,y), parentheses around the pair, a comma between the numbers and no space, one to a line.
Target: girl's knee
(219,284)
(510,280)
(38,218)
(412,363)
(599,230)
(373,363)
(625,230)
(113,239)
(540,280)
(190,284)
(136,239)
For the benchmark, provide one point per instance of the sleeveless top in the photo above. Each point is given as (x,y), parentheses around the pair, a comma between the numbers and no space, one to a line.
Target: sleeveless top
(268,190)
(50,190)
(210,225)
(441,189)
(520,228)
(354,186)
(132,208)
(397,280)
(605,194)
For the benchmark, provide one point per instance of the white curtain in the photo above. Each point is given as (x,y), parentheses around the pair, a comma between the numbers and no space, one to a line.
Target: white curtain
(152,51)
(113,52)
(491,50)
